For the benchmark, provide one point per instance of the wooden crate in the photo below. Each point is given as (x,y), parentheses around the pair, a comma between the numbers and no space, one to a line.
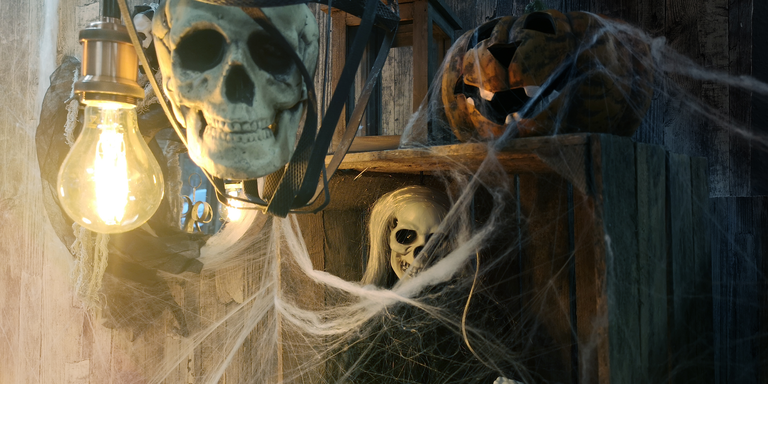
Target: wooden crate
(429,26)
(615,266)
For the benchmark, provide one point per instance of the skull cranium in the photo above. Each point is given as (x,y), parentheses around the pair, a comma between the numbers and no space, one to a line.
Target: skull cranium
(240,98)
(414,224)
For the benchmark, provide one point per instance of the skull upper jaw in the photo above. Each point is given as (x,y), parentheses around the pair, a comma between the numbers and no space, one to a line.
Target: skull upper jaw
(242,154)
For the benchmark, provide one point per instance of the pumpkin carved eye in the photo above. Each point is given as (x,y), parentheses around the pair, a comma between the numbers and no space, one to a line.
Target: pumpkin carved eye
(503,53)
(482,33)
(540,22)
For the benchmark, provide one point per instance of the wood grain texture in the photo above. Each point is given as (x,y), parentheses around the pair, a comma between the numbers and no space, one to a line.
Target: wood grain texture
(545,255)
(652,263)
(702,270)
(621,224)
(740,39)
(47,340)
(738,285)
(521,155)
(396,92)
(422,32)
(681,264)
(586,243)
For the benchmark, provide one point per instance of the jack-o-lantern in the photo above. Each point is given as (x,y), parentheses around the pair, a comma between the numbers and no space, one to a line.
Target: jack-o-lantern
(548,73)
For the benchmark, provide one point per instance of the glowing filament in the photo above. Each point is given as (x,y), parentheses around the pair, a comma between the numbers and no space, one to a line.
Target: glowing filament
(110,175)
(233,212)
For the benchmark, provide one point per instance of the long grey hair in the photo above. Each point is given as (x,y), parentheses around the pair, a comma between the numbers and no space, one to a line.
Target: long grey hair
(378,270)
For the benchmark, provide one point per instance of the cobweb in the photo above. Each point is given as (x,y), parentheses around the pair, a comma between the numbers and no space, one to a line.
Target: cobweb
(490,303)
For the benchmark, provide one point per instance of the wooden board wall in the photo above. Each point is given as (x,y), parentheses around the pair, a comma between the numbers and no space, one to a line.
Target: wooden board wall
(48,338)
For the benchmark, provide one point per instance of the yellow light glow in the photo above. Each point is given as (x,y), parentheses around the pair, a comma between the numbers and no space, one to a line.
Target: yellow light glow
(233,212)
(110,182)
(110,175)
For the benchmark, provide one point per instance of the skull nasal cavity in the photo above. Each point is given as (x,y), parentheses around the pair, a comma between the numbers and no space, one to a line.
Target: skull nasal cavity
(239,87)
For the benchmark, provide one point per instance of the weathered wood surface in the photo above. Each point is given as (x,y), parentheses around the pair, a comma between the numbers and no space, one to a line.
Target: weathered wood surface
(619,215)
(652,262)
(740,287)
(50,340)
(526,155)
(545,258)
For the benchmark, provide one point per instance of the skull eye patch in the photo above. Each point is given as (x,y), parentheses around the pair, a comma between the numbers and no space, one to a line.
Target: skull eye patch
(267,55)
(405,236)
(201,50)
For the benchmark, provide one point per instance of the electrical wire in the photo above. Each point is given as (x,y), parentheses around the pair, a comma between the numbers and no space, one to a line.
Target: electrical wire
(143,59)
(466,311)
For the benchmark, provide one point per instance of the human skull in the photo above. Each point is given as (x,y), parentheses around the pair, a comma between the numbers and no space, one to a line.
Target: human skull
(414,224)
(240,98)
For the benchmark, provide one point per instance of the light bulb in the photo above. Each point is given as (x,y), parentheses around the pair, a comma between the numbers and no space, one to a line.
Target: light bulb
(233,210)
(110,181)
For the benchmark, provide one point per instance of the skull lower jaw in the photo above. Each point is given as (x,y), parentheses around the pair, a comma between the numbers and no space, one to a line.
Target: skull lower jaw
(242,155)
(401,266)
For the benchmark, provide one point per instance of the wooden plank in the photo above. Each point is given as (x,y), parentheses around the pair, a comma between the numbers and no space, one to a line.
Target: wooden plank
(702,269)
(338,54)
(737,30)
(544,206)
(720,270)
(761,219)
(595,189)
(738,286)
(397,98)
(9,322)
(743,294)
(343,243)
(620,222)
(300,352)
(652,263)
(404,36)
(173,347)
(519,155)
(759,159)
(422,33)
(100,352)
(680,266)
(63,324)
(586,242)
(450,20)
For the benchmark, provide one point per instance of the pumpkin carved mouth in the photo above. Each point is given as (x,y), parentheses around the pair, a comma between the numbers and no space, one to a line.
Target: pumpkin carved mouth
(522,102)
(499,107)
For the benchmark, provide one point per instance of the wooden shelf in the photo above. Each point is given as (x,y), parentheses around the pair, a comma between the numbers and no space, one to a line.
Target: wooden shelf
(516,155)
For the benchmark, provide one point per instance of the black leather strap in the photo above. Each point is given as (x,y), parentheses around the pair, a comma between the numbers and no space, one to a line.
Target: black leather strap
(385,18)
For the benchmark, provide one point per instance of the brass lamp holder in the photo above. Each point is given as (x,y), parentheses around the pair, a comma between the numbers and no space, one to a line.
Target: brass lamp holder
(110,63)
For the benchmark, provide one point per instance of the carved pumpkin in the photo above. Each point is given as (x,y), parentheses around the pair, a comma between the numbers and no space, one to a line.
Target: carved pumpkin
(549,73)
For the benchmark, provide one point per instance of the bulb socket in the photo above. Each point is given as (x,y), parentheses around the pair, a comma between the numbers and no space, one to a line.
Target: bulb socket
(110,64)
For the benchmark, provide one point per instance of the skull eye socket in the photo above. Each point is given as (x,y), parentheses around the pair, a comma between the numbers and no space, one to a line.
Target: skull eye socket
(267,55)
(406,236)
(201,50)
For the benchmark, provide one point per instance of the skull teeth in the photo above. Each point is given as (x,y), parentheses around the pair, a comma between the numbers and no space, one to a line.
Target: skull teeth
(233,126)
(404,266)
(222,135)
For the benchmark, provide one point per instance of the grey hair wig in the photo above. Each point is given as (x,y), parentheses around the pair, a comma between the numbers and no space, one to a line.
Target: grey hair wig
(378,270)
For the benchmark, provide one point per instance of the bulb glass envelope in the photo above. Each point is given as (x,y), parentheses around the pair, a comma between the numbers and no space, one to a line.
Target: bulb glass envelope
(109,182)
